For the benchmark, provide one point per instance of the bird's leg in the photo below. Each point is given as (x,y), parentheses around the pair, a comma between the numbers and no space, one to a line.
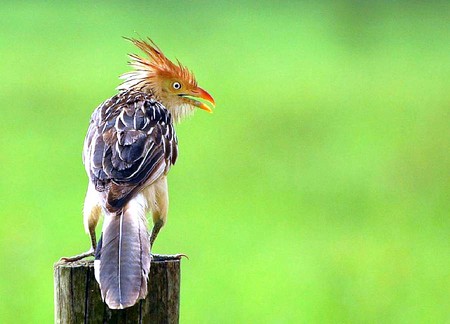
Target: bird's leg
(91,214)
(161,257)
(86,254)
(155,230)
(159,216)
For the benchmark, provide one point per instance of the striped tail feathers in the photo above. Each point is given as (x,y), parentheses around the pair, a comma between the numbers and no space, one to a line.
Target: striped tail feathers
(122,260)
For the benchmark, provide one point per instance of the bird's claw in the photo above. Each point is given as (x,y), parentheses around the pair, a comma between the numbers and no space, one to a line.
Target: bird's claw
(165,257)
(86,254)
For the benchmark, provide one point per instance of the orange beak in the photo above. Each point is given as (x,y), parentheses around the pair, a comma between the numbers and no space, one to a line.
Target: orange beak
(202,94)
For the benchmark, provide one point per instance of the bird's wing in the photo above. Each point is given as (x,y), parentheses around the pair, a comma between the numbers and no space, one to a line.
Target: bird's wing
(131,142)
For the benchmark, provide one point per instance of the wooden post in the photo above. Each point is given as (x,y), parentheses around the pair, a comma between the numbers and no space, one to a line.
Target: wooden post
(78,298)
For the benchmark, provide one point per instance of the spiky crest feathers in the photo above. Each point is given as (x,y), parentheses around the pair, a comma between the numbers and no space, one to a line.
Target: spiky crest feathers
(148,72)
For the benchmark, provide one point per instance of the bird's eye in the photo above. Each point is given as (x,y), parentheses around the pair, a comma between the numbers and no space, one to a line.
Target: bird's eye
(176,85)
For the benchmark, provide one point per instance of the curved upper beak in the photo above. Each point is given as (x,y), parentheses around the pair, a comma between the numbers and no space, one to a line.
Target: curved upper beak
(203,94)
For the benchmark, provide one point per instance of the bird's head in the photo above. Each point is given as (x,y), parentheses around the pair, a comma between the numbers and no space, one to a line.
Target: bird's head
(172,84)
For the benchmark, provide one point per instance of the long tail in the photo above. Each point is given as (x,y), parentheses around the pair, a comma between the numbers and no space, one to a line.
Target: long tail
(123,256)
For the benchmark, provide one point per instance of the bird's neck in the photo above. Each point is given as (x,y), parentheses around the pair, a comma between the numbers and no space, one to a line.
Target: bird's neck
(178,107)
(179,112)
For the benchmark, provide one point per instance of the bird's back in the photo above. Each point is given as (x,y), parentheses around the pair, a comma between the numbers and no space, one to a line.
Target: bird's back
(131,142)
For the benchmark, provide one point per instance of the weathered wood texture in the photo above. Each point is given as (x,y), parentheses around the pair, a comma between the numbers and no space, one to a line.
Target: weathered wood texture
(78,299)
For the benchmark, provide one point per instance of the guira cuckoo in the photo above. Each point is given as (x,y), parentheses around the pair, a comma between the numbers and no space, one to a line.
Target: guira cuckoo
(129,148)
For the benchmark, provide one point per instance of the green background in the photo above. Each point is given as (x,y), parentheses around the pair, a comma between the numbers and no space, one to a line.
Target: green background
(318,191)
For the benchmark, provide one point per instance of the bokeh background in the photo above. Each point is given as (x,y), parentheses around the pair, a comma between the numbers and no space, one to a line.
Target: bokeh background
(317,192)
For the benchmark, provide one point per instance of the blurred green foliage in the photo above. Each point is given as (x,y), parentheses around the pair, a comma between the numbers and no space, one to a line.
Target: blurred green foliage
(318,191)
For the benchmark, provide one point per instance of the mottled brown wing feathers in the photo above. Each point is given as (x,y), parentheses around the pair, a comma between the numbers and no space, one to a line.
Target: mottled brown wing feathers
(131,141)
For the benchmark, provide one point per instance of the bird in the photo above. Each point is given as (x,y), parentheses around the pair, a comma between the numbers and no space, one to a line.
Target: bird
(129,148)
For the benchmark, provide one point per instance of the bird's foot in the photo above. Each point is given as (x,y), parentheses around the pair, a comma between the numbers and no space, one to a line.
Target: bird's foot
(86,254)
(164,257)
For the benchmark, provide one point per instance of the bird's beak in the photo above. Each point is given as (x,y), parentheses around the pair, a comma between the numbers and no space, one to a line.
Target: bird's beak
(202,94)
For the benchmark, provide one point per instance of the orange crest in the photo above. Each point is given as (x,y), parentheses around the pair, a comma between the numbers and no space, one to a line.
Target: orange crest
(157,65)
